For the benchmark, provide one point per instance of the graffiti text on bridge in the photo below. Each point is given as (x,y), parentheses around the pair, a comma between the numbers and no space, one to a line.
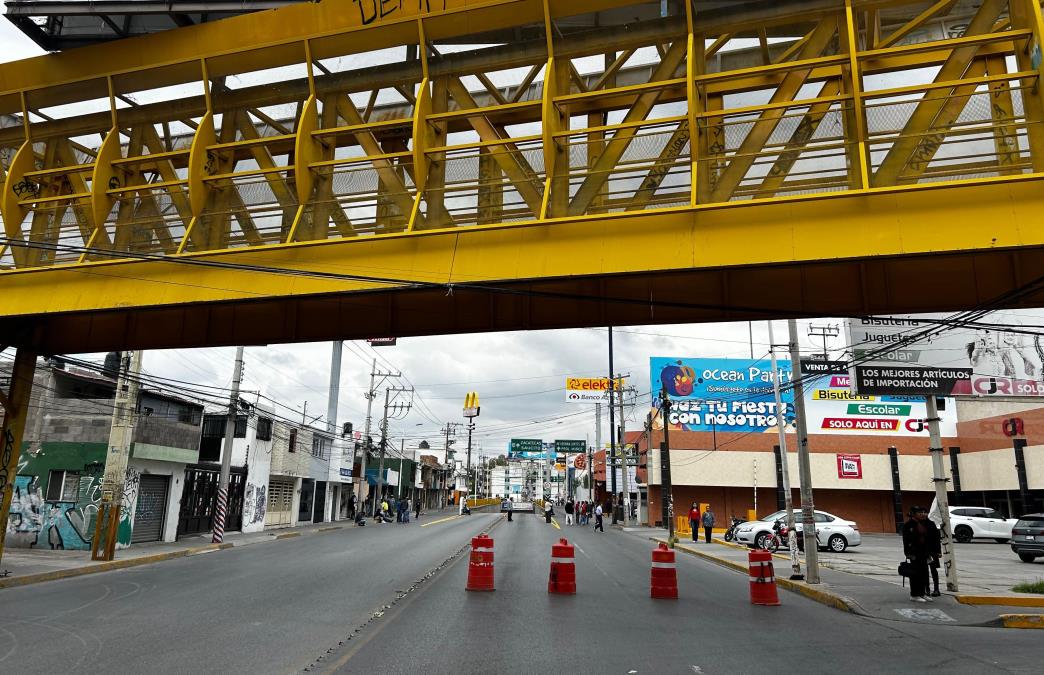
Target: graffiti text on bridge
(371,11)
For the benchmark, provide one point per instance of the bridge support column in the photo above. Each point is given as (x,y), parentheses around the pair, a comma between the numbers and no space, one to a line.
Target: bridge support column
(16,408)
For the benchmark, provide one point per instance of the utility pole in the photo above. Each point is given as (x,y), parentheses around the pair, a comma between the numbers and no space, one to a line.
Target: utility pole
(666,488)
(949,559)
(808,507)
(335,387)
(388,391)
(823,332)
(610,462)
(114,480)
(226,452)
(795,561)
(471,478)
(623,458)
(590,454)
(371,394)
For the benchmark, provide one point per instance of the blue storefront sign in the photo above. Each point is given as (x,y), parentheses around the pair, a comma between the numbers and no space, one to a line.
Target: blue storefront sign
(720,394)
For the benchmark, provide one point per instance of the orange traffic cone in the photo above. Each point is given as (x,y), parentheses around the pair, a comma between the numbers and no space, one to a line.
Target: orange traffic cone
(762,579)
(664,578)
(563,569)
(480,567)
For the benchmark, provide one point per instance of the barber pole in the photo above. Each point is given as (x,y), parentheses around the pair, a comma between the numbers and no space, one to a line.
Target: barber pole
(219,516)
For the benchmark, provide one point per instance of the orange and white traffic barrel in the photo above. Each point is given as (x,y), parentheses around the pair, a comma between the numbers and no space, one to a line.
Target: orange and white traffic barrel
(664,576)
(762,579)
(563,569)
(480,567)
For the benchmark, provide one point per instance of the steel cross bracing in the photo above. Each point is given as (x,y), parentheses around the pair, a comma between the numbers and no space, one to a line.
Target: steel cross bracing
(415,119)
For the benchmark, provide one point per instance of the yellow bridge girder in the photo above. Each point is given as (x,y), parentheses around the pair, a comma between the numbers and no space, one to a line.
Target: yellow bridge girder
(359,168)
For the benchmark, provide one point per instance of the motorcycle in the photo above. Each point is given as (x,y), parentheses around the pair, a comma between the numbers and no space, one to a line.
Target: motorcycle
(777,539)
(730,534)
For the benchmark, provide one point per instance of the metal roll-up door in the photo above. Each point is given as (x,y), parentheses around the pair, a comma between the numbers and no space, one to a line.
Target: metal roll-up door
(150,510)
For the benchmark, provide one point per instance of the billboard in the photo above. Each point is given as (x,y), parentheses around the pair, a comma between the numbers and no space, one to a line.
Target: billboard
(832,408)
(989,359)
(735,395)
(719,394)
(588,389)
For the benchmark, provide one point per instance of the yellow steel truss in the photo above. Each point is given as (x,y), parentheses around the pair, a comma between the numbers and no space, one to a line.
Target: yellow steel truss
(687,116)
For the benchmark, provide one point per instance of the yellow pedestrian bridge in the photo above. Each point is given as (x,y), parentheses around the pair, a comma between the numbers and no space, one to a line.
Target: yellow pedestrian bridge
(362,168)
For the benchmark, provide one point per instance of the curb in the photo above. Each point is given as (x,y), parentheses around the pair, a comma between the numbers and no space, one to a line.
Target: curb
(823,597)
(1006,600)
(1022,620)
(108,566)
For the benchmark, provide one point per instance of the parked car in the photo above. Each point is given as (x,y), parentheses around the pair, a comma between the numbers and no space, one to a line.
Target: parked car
(833,533)
(1027,537)
(980,522)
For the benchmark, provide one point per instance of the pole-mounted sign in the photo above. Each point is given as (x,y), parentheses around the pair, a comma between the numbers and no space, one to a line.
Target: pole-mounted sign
(471,404)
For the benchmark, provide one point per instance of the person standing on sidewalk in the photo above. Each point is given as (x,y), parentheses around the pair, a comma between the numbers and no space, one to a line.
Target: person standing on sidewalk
(708,524)
(694,522)
(917,546)
(569,505)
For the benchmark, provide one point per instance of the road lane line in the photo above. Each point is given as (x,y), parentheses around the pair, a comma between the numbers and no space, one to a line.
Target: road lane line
(555,523)
(442,520)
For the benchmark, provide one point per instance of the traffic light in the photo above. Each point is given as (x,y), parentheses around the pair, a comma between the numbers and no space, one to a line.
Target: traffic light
(1013,426)
(346,430)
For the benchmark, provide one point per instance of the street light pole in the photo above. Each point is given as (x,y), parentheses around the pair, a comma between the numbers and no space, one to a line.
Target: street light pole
(795,561)
(808,507)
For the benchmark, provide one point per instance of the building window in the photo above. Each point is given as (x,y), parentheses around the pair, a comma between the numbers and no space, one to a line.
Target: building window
(293,440)
(264,429)
(320,446)
(63,486)
(241,427)
(214,426)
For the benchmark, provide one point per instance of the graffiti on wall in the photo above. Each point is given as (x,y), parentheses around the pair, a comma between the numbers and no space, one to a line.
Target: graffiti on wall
(35,522)
(255,503)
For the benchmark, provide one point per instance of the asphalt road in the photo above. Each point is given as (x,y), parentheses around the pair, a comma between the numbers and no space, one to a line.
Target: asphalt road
(612,626)
(269,608)
(391,599)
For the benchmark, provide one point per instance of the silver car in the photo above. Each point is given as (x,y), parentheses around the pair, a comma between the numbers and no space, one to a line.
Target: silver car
(833,533)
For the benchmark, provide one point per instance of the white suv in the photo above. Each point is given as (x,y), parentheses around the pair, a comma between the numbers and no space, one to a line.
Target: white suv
(980,522)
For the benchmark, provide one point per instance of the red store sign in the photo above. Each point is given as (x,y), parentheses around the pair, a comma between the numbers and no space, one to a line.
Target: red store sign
(849,466)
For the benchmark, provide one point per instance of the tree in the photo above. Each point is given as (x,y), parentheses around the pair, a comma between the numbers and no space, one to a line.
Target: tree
(501,460)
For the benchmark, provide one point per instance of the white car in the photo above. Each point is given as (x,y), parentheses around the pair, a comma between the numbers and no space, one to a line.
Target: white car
(980,522)
(832,532)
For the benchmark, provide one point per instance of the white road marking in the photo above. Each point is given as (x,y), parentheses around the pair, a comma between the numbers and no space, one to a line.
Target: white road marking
(936,615)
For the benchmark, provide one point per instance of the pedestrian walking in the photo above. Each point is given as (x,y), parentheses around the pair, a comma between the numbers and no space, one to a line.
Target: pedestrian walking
(708,524)
(917,546)
(582,518)
(417,509)
(406,510)
(508,506)
(549,510)
(598,518)
(569,507)
(694,522)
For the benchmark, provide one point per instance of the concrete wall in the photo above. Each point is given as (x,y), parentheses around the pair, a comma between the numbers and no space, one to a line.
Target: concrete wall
(256,455)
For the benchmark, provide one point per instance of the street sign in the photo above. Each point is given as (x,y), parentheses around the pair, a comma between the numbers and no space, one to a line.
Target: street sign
(909,380)
(570,446)
(547,485)
(382,342)
(526,445)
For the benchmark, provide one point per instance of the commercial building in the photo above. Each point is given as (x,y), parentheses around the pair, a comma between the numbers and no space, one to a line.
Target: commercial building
(871,478)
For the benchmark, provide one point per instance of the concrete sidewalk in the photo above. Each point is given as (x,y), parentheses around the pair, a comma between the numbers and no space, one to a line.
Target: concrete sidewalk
(861,594)
(21,566)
